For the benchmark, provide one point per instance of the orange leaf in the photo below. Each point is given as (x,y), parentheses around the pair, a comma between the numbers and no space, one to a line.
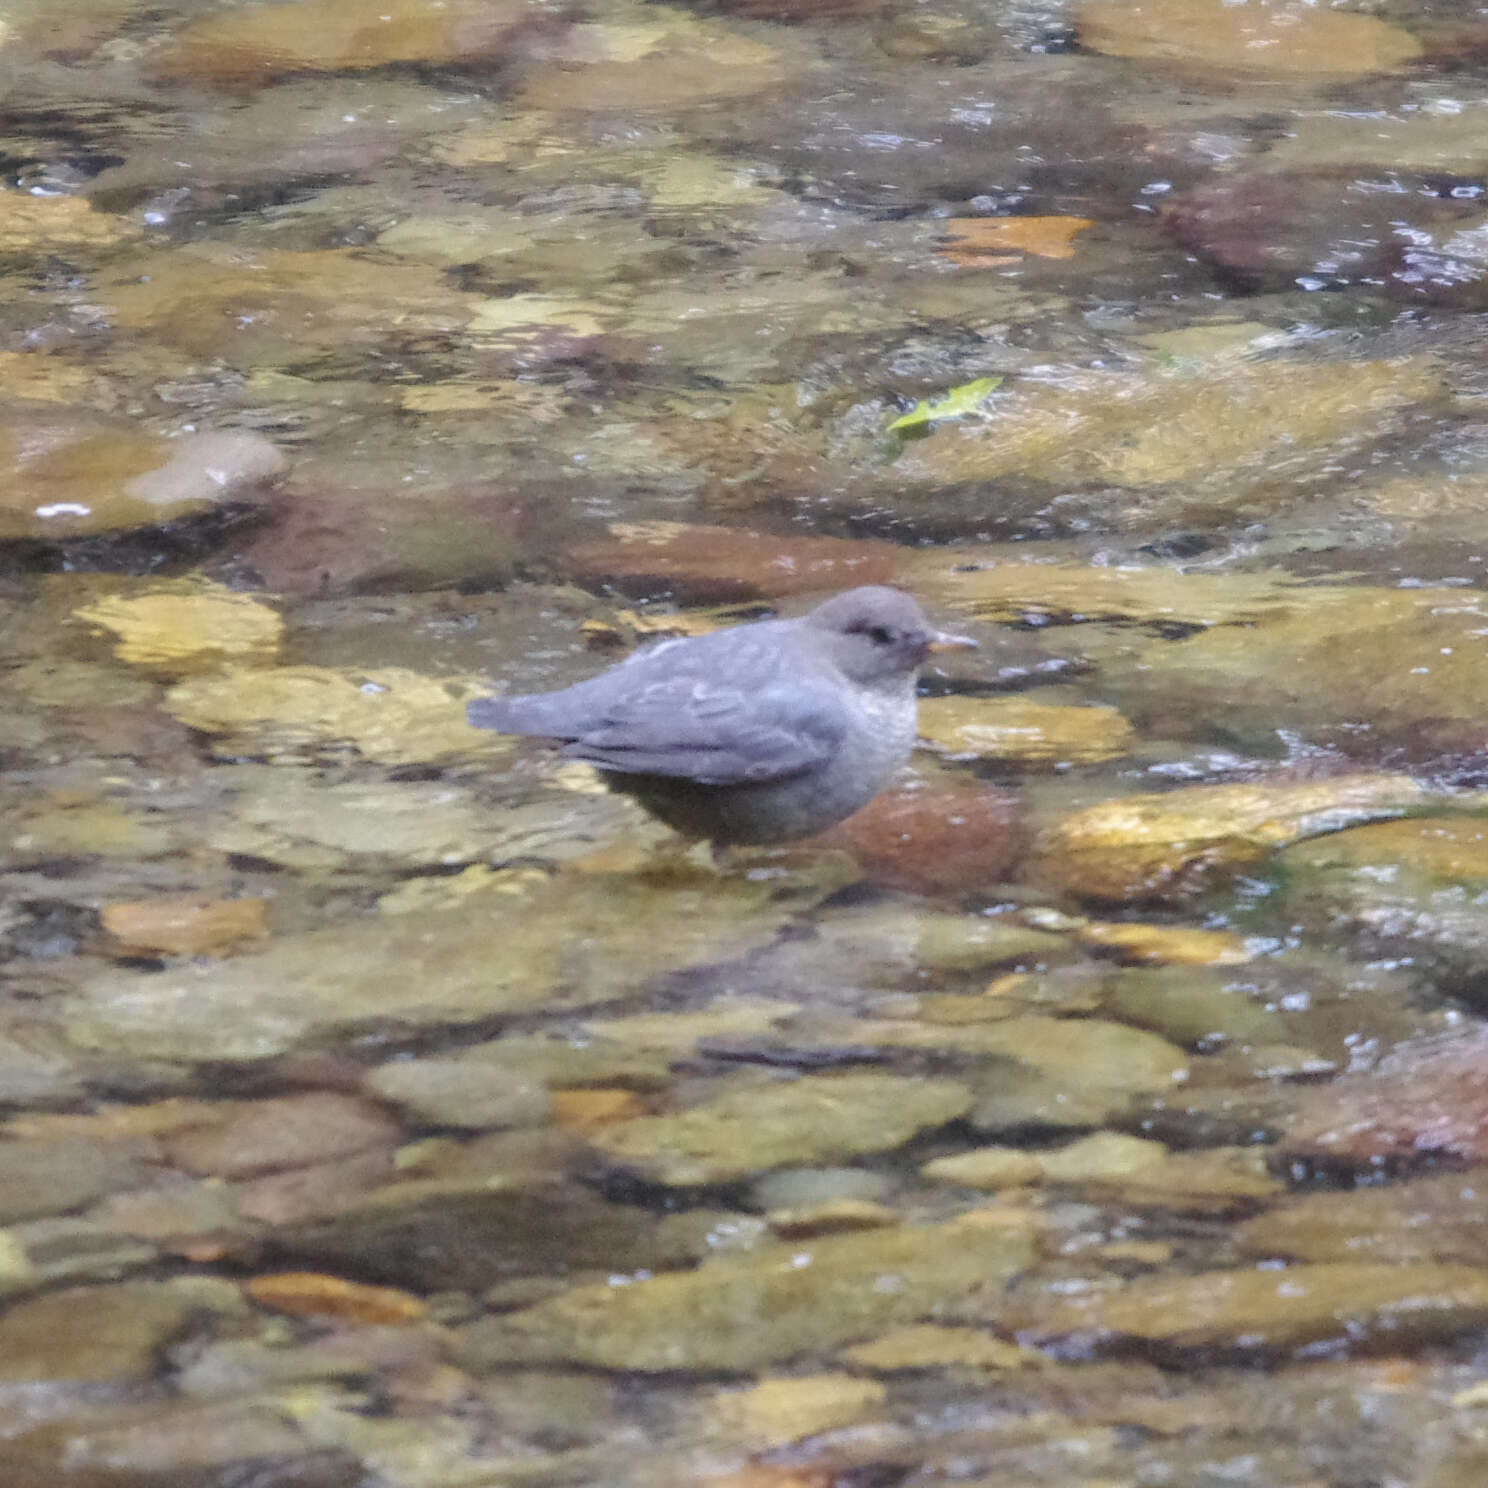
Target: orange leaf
(584,1108)
(983,241)
(309,1294)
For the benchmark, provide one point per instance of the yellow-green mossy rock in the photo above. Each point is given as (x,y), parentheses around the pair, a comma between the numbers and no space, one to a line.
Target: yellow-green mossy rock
(741,1312)
(1165,846)
(177,631)
(391,715)
(812,1119)
(1261,39)
(776,1412)
(59,224)
(1076,593)
(249,45)
(1018,732)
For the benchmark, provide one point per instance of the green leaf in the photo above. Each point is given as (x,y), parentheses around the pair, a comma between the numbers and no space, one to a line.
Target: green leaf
(952,404)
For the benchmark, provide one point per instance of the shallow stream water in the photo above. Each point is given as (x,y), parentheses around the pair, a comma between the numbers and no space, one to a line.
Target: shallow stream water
(385,1105)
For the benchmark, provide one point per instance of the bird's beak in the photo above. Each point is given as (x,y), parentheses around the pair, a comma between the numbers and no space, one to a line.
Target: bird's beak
(942,641)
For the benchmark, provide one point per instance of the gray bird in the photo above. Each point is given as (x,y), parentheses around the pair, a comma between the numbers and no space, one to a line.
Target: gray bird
(761,733)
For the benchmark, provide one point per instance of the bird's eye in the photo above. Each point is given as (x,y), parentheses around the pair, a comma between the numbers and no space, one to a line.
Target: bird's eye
(880,635)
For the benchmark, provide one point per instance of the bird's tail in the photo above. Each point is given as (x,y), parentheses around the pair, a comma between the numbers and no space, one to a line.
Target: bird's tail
(514,715)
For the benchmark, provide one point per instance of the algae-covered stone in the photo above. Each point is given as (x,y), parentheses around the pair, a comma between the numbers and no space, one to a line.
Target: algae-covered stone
(1068,1073)
(1438,1219)
(1223,425)
(1166,945)
(391,716)
(1015,731)
(312,823)
(473,1230)
(1352,666)
(267,309)
(182,631)
(1212,1180)
(1192,1006)
(777,1303)
(1169,845)
(1268,1311)
(814,1118)
(1414,890)
(460,1092)
(1072,593)
(569,944)
(1282,40)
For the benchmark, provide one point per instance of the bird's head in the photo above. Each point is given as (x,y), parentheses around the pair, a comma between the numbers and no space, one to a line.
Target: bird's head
(877,635)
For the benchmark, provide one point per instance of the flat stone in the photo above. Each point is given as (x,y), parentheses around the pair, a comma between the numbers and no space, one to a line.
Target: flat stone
(1439,1220)
(1136,430)
(250,45)
(572,943)
(188,1444)
(1285,40)
(462,1092)
(776,1412)
(105,1333)
(718,565)
(1355,1307)
(173,632)
(776,1303)
(247,1138)
(184,926)
(67,480)
(1014,731)
(1195,1007)
(1169,845)
(40,1178)
(814,1117)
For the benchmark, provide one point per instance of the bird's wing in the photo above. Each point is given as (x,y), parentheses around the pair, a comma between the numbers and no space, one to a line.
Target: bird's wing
(714,733)
(691,709)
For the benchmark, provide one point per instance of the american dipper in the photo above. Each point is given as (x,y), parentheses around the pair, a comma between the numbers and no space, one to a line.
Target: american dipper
(761,733)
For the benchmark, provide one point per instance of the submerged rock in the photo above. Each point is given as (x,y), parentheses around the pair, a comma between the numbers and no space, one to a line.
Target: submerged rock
(1279,41)
(1168,846)
(821,1118)
(574,943)
(251,44)
(66,481)
(777,1303)
(1268,1312)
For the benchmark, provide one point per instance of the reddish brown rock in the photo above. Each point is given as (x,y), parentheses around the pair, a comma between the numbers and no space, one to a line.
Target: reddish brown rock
(322,541)
(1325,229)
(253,1137)
(721,565)
(1426,1100)
(935,834)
